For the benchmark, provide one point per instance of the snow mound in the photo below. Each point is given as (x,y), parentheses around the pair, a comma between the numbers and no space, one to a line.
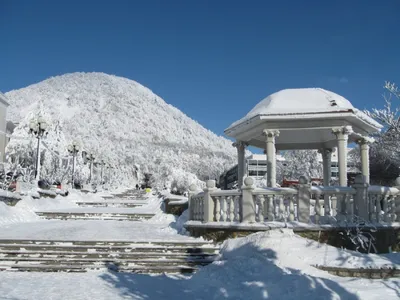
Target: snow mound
(293,251)
(278,265)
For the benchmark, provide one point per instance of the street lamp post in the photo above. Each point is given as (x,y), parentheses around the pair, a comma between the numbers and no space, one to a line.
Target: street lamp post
(73,149)
(38,129)
(102,163)
(90,158)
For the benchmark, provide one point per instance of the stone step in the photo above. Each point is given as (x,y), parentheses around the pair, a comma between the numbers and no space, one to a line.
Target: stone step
(123,256)
(93,216)
(188,243)
(107,204)
(89,254)
(84,268)
(119,261)
(87,248)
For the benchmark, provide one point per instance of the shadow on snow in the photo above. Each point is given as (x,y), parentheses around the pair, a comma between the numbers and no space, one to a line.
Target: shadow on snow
(248,273)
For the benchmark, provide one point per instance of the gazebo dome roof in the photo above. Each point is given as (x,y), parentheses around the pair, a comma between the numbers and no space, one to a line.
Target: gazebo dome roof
(305,119)
(305,100)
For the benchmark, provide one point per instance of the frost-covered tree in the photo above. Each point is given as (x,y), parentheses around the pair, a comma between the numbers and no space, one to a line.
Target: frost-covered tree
(126,125)
(385,152)
(22,148)
(302,162)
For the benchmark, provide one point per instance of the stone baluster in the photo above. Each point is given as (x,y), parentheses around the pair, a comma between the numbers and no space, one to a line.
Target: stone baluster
(260,208)
(392,209)
(349,207)
(193,211)
(371,203)
(396,203)
(281,207)
(217,212)
(343,206)
(208,208)
(396,209)
(317,207)
(224,214)
(385,208)
(378,208)
(291,208)
(270,208)
(231,211)
(265,207)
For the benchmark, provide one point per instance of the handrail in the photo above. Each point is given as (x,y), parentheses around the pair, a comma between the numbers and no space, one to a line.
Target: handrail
(383,190)
(274,191)
(226,193)
(329,190)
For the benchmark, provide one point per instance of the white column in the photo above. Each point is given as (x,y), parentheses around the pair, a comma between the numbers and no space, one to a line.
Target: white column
(342,136)
(326,164)
(241,148)
(271,156)
(364,152)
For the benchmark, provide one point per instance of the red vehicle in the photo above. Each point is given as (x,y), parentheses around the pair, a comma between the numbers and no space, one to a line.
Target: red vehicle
(295,183)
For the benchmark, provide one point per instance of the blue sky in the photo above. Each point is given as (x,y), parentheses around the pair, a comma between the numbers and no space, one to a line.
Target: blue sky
(214,60)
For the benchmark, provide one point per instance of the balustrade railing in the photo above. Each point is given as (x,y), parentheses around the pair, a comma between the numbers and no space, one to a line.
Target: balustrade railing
(275,204)
(332,201)
(197,207)
(226,205)
(317,204)
(382,204)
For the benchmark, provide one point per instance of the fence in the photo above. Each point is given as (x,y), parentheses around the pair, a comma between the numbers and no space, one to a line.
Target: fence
(306,204)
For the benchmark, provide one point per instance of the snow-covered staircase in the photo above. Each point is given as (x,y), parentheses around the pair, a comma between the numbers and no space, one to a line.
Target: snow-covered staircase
(118,207)
(136,254)
(120,256)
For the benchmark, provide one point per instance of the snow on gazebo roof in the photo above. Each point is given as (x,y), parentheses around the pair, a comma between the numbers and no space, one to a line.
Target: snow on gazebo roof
(312,109)
(301,102)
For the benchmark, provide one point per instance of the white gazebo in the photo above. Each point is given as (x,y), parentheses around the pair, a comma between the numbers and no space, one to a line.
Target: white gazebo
(309,118)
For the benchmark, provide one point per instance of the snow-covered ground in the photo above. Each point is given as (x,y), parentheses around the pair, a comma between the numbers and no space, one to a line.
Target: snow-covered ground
(271,265)
(268,265)
(92,230)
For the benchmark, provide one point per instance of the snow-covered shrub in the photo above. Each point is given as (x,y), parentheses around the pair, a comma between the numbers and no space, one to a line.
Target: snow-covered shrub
(385,152)
(359,232)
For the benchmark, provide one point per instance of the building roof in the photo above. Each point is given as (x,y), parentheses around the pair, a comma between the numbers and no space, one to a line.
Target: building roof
(3,99)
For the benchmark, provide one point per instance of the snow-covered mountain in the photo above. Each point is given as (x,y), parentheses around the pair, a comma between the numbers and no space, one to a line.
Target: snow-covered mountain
(123,123)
